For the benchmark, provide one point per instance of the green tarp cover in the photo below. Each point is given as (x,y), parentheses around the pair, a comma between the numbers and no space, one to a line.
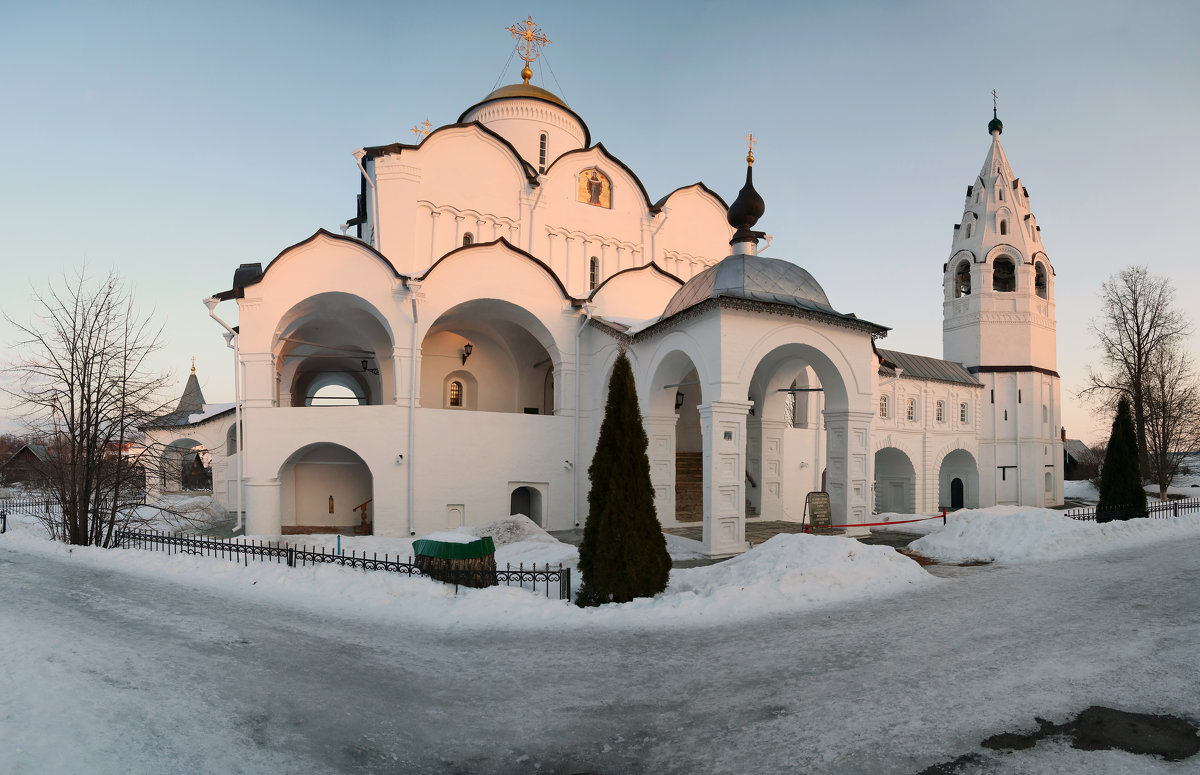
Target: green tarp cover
(423,547)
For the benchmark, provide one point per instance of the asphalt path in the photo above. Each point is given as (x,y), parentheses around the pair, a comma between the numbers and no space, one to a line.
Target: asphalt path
(101,672)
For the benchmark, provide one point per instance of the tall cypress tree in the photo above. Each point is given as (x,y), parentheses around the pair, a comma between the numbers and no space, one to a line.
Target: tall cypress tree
(1121,492)
(623,554)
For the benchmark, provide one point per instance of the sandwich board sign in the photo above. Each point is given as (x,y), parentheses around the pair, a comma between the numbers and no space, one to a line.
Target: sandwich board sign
(820,515)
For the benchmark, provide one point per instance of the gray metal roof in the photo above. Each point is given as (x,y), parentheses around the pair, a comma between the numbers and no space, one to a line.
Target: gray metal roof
(924,367)
(753,277)
(1079,451)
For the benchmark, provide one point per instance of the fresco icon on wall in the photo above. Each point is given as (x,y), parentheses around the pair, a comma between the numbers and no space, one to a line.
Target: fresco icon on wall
(595,188)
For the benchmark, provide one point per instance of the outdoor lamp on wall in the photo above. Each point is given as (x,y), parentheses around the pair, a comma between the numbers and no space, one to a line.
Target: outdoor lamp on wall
(468,348)
(678,400)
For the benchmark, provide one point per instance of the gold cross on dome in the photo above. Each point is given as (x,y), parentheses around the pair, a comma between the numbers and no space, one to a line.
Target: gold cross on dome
(750,143)
(529,43)
(422,130)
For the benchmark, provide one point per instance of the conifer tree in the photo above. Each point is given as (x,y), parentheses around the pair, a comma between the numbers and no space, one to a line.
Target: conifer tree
(1121,493)
(623,554)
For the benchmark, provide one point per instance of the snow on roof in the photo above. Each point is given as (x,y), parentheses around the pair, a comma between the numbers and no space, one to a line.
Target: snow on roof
(209,411)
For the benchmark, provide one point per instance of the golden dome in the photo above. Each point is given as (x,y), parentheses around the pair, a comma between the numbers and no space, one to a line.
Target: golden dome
(524,90)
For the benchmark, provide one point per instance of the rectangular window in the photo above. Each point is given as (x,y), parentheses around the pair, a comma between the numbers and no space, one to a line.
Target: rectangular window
(941,411)
(911,409)
(962,412)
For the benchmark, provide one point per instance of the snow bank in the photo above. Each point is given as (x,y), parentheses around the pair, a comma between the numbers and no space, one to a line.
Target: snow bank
(1081,489)
(1015,534)
(786,573)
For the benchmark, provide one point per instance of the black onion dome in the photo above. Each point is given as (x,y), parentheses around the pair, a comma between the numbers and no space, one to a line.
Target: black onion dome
(748,207)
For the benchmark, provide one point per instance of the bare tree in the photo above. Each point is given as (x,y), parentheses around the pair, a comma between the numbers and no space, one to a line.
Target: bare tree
(85,386)
(1138,323)
(1172,415)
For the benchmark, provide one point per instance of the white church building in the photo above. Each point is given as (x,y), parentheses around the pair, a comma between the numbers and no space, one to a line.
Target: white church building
(467,327)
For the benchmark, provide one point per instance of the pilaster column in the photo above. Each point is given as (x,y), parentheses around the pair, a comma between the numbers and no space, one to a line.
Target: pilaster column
(849,466)
(769,495)
(262,507)
(723,428)
(660,433)
(258,375)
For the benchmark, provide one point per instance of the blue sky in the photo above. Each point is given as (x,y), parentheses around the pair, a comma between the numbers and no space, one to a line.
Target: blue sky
(174,142)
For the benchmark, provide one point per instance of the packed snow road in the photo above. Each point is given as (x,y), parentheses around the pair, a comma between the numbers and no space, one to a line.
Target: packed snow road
(103,672)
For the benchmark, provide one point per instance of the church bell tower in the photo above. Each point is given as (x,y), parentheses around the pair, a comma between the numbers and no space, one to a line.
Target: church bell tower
(998,321)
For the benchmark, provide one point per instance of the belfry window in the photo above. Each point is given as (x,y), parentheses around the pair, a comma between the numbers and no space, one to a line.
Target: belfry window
(593,273)
(543,143)
(468,239)
(883,406)
(1039,280)
(1004,276)
(962,278)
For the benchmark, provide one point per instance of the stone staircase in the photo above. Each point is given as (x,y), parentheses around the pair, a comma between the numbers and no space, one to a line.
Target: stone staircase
(689,486)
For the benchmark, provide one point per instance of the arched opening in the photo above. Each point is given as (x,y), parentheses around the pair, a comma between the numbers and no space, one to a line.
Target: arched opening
(962,278)
(895,482)
(326,488)
(497,352)
(1003,228)
(784,460)
(231,440)
(1040,283)
(1004,275)
(543,147)
(959,465)
(468,239)
(676,449)
(528,501)
(334,349)
(593,273)
(186,465)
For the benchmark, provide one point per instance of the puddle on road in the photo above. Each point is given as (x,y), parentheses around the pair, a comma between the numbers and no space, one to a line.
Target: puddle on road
(1096,729)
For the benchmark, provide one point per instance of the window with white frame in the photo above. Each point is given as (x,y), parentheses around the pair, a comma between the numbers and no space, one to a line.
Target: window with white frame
(883,406)
(940,413)
(910,409)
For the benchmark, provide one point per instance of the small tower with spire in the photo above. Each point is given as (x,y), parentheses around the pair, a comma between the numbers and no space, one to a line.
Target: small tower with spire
(999,321)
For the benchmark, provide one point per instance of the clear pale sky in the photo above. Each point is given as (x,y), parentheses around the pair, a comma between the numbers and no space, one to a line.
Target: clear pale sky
(176,141)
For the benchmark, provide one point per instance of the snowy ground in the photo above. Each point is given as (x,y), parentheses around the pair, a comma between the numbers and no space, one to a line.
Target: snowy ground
(807,654)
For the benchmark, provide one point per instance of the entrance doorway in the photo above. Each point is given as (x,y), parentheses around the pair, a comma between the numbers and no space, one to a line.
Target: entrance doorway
(956,493)
(527,501)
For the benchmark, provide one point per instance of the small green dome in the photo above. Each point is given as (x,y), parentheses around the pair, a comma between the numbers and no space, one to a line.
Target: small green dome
(995,125)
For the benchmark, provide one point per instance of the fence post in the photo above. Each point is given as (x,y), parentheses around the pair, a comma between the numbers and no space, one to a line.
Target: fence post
(3,522)
(291,557)
(943,515)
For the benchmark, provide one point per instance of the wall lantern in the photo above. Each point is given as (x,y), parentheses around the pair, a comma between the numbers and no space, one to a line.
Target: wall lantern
(468,348)
(678,400)
(366,368)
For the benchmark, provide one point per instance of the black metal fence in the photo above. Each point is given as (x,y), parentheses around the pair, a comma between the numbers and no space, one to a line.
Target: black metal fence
(34,507)
(1162,510)
(547,577)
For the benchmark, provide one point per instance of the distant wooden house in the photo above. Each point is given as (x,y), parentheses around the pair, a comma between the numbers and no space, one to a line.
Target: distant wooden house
(25,465)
